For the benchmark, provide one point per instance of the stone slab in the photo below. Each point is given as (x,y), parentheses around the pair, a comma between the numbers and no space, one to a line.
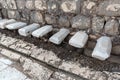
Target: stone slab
(58,37)
(4,23)
(27,30)
(16,25)
(42,31)
(103,48)
(79,39)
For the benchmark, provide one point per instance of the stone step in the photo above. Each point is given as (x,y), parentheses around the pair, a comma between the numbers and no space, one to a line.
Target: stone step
(6,22)
(16,25)
(27,30)
(42,31)
(59,36)
(79,39)
(103,48)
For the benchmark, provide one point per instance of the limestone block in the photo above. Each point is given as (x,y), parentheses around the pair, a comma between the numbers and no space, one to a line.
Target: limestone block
(103,48)
(6,22)
(59,36)
(25,31)
(79,39)
(42,31)
(16,25)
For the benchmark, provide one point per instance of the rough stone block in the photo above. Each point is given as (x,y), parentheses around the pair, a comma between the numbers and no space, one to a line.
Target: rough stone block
(50,19)
(97,24)
(112,27)
(79,39)
(36,17)
(16,25)
(4,23)
(27,30)
(116,50)
(11,4)
(41,4)
(10,54)
(13,14)
(71,6)
(42,31)
(64,21)
(109,8)
(103,48)
(59,36)
(81,22)
(30,4)
(36,71)
(20,4)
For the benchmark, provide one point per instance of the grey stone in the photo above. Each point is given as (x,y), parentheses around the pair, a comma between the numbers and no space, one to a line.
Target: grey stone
(13,14)
(10,54)
(50,19)
(46,56)
(36,71)
(20,4)
(41,4)
(36,17)
(11,4)
(88,8)
(5,13)
(97,24)
(116,50)
(53,6)
(64,21)
(4,4)
(30,4)
(81,22)
(109,8)
(71,6)
(112,27)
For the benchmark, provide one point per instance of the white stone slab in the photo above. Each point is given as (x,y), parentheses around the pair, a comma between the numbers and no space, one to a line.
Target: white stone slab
(16,25)
(79,39)
(6,61)
(103,48)
(2,66)
(11,74)
(42,31)
(6,22)
(59,36)
(25,31)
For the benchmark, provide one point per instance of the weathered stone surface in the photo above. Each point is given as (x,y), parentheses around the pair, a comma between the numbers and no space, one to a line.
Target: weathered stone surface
(4,4)
(64,21)
(71,6)
(5,13)
(20,4)
(7,41)
(53,6)
(46,56)
(36,17)
(42,31)
(109,8)
(13,14)
(97,24)
(10,54)
(112,27)
(88,8)
(79,39)
(58,37)
(36,71)
(81,22)
(91,44)
(11,4)
(30,4)
(50,19)
(41,4)
(27,30)
(115,59)
(62,76)
(103,48)
(22,46)
(5,61)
